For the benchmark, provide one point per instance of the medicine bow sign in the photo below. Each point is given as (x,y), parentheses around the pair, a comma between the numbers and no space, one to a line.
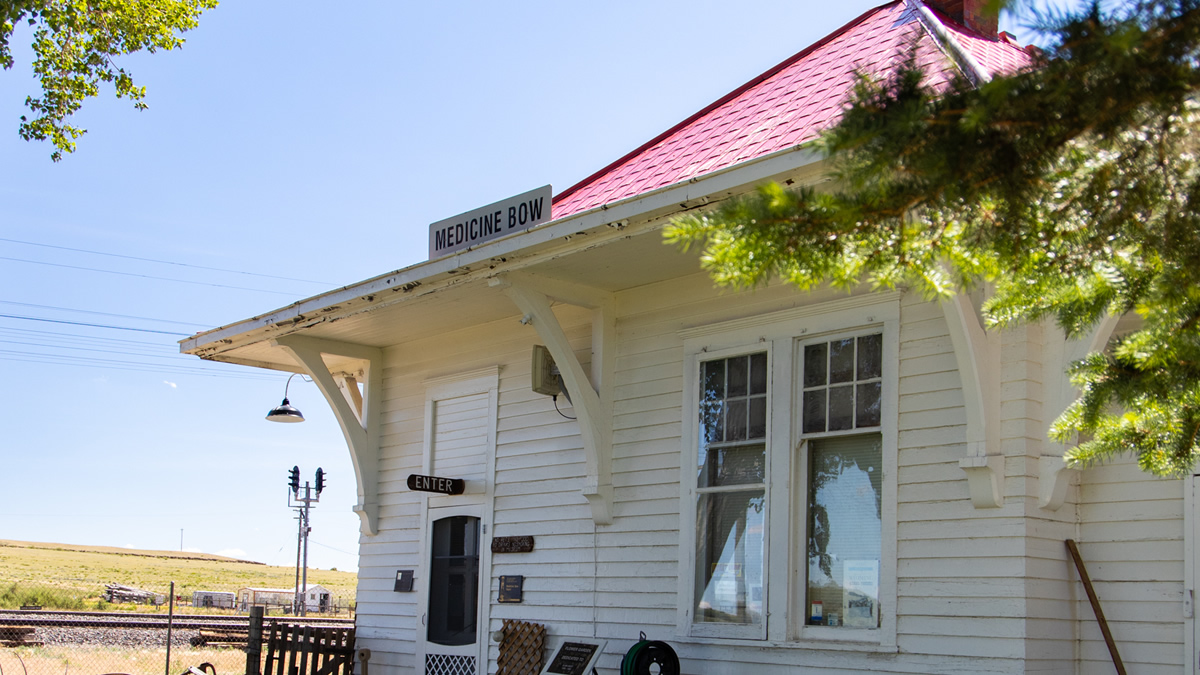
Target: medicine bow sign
(446,486)
(490,222)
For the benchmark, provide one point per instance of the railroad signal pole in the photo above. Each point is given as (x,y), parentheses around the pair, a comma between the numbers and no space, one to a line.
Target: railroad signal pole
(302,505)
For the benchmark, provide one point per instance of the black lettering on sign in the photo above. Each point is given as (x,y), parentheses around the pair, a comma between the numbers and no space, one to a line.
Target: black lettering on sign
(446,486)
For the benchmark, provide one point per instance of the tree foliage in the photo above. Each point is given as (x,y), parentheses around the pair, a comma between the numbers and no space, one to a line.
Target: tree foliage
(75,43)
(1072,189)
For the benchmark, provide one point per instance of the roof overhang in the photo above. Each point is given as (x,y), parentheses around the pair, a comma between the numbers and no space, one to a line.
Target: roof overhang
(612,248)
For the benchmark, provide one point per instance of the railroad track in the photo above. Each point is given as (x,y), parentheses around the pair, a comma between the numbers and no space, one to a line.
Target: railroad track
(56,619)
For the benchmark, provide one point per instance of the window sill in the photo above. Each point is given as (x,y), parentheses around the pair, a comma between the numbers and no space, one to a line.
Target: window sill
(868,642)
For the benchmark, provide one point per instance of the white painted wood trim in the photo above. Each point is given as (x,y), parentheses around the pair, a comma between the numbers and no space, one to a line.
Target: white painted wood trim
(359,426)
(1190,533)
(478,381)
(1054,476)
(978,356)
(786,546)
(594,413)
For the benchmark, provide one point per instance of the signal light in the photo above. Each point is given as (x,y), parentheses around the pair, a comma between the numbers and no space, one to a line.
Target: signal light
(320,479)
(294,479)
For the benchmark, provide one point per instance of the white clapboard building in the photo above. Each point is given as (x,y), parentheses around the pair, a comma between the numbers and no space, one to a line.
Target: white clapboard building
(771,481)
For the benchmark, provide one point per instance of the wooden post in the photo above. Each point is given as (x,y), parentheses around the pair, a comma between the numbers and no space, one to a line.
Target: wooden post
(1092,598)
(254,643)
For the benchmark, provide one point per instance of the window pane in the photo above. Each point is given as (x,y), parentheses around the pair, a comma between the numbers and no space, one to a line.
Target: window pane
(712,422)
(735,420)
(870,356)
(844,531)
(814,365)
(729,557)
(758,373)
(841,360)
(712,381)
(454,581)
(741,465)
(738,376)
(866,405)
(841,407)
(814,411)
(758,417)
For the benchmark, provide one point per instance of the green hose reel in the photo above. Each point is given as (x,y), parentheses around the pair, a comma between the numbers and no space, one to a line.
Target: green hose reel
(650,657)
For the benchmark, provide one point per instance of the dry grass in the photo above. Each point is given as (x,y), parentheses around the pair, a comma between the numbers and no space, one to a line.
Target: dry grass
(84,571)
(78,660)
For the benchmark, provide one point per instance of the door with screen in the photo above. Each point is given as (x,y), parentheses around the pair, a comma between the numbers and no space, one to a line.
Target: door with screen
(451,625)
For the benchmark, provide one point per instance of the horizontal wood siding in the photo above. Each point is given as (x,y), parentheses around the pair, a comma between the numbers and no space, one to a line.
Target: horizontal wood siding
(1131,539)
(979,590)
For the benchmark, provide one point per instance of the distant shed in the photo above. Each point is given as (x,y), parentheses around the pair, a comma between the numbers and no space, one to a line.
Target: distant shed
(215,599)
(317,599)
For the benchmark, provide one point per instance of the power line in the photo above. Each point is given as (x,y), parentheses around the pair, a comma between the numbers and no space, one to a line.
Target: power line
(175,356)
(88,311)
(91,325)
(164,262)
(146,276)
(127,366)
(79,337)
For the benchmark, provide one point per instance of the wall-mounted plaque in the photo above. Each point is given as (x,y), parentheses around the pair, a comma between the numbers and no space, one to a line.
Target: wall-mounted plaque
(576,657)
(511,587)
(522,544)
(404,581)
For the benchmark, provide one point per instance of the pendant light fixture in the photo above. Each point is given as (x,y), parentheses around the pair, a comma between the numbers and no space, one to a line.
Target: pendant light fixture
(285,412)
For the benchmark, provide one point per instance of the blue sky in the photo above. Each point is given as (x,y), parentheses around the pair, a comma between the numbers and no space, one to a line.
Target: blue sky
(298,147)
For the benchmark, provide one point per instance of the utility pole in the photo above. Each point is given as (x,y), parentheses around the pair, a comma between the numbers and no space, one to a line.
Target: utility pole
(302,505)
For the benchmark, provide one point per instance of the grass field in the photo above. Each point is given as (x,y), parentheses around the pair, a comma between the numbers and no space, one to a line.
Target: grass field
(79,660)
(80,573)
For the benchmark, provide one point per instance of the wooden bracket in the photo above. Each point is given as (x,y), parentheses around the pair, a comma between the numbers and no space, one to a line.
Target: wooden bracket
(357,415)
(593,400)
(1054,475)
(978,357)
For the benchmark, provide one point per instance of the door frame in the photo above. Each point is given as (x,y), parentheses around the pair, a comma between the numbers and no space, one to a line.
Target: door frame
(430,514)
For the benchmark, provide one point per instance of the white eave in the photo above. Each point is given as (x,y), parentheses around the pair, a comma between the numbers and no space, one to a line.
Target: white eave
(609,247)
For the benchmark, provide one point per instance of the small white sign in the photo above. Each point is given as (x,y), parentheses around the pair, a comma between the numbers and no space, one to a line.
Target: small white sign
(860,602)
(490,222)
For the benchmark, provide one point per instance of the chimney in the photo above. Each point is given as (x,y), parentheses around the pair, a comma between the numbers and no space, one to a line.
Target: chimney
(981,16)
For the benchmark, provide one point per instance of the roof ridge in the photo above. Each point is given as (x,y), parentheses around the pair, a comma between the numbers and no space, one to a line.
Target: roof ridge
(935,25)
(724,99)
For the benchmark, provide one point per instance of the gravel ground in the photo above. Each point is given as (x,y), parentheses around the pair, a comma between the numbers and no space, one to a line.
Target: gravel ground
(153,638)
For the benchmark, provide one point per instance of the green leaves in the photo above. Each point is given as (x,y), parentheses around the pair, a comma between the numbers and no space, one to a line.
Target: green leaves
(1073,189)
(75,43)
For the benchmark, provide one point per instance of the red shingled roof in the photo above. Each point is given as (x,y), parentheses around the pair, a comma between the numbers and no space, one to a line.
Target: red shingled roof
(787,106)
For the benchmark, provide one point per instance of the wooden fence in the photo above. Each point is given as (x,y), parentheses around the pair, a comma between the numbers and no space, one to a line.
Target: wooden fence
(298,650)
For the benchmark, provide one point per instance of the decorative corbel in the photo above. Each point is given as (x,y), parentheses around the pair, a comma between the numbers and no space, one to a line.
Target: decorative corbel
(978,357)
(357,415)
(1054,476)
(592,400)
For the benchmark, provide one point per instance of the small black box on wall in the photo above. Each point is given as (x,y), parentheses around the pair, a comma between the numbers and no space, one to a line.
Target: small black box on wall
(404,581)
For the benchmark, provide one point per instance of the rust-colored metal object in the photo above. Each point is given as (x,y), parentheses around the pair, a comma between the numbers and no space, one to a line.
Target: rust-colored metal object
(1092,598)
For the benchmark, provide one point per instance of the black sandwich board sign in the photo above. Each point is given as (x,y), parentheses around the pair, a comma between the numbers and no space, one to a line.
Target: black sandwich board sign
(445,486)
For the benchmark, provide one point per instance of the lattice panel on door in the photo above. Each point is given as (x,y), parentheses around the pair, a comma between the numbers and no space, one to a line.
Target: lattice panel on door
(521,649)
(449,664)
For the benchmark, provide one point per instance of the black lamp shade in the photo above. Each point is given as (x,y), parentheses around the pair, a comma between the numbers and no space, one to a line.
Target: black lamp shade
(284,412)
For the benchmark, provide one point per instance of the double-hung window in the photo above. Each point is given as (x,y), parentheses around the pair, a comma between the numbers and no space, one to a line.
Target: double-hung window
(731,491)
(843,449)
(788,481)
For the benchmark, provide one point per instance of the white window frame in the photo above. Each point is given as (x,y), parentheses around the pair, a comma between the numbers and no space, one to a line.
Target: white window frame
(781,335)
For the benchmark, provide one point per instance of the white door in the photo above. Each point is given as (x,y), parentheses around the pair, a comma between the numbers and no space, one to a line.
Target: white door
(449,640)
